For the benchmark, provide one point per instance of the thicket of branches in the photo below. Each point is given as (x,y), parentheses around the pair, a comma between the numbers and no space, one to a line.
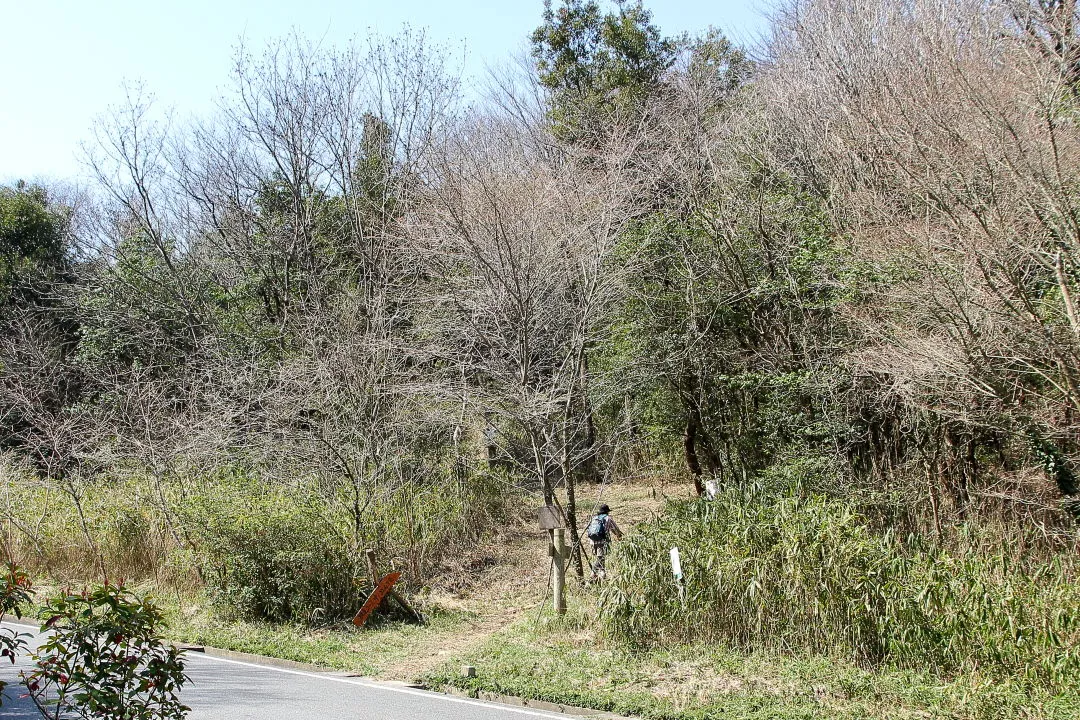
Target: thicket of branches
(849,264)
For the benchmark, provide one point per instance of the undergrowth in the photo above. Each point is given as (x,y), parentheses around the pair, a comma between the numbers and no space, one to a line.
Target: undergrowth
(805,574)
(262,550)
(559,660)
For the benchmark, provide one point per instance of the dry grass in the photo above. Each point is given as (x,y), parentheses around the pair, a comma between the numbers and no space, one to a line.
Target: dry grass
(505,579)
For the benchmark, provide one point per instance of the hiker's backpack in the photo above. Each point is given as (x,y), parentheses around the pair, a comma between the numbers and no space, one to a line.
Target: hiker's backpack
(597,530)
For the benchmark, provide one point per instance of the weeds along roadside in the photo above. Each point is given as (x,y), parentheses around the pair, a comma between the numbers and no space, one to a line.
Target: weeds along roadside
(561,660)
(796,606)
(807,574)
(261,550)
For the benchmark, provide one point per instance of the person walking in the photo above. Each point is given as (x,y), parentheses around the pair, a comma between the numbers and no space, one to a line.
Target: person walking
(601,528)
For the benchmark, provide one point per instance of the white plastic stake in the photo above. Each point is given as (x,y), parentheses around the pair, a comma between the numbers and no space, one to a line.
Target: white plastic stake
(676,565)
(676,570)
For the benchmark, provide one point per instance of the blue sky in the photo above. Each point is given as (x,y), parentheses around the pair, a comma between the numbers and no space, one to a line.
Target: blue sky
(65,60)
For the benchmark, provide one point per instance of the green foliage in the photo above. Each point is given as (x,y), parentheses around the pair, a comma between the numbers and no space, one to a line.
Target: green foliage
(291,554)
(717,65)
(547,660)
(14,593)
(272,553)
(135,314)
(783,573)
(598,65)
(31,239)
(265,551)
(105,659)
(37,332)
(800,571)
(723,322)
(1057,467)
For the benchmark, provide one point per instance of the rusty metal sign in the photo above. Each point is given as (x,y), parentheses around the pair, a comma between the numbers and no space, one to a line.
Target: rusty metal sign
(377,596)
(550,518)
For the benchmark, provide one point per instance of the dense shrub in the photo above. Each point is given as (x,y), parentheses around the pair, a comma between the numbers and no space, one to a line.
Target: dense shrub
(270,553)
(294,554)
(807,573)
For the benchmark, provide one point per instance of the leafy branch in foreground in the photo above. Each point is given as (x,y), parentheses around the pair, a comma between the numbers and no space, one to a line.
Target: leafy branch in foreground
(105,659)
(14,593)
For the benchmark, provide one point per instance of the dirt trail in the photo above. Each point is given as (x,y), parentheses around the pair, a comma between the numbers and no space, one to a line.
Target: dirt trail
(514,580)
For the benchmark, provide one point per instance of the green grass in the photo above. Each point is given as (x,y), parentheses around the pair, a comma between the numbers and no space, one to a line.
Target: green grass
(381,644)
(807,574)
(559,660)
(368,651)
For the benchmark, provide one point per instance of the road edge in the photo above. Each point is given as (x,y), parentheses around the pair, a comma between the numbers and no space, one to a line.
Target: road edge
(269,661)
(532,704)
(484,695)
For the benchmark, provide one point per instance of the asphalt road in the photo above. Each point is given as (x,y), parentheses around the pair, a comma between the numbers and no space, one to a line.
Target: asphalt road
(14,705)
(223,689)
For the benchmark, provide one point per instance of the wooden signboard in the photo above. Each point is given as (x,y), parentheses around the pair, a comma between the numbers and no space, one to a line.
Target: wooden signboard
(550,518)
(385,586)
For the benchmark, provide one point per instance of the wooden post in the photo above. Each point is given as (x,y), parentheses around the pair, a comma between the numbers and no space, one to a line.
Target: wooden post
(559,553)
(552,521)
(372,566)
(373,570)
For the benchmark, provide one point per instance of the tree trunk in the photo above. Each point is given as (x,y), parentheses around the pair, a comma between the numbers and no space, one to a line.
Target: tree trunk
(571,492)
(690,436)
(588,464)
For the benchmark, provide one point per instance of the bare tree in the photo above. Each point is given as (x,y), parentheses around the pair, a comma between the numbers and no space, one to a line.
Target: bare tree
(520,248)
(939,131)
